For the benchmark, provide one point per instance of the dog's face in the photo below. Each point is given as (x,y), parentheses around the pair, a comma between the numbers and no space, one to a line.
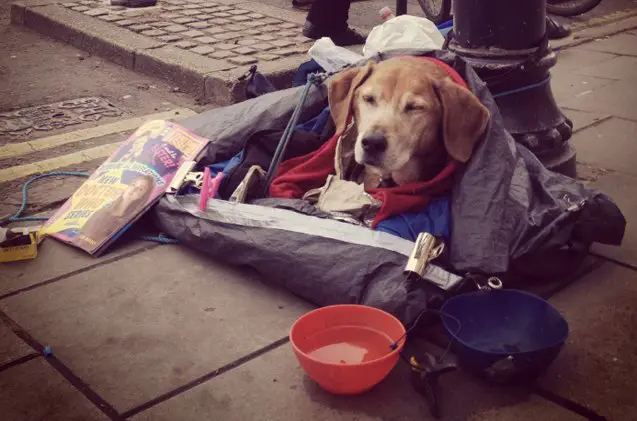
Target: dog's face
(398,118)
(409,116)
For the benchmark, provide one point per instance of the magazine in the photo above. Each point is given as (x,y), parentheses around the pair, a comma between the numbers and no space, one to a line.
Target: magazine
(127,184)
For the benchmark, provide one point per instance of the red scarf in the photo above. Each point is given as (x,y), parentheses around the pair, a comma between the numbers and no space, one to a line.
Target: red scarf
(296,176)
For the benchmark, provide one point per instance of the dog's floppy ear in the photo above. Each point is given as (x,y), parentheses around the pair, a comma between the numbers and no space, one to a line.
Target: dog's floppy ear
(464,119)
(340,93)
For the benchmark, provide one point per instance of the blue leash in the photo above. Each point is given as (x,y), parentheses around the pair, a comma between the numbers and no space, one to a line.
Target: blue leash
(161,238)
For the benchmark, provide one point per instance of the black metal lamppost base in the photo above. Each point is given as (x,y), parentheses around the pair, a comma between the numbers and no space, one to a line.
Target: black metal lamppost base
(519,81)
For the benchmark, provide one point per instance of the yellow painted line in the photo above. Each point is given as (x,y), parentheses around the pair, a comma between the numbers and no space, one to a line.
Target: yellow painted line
(52,164)
(23,148)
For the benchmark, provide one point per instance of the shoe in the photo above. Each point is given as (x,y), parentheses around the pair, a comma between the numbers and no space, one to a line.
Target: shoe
(556,30)
(347,37)
(342,38)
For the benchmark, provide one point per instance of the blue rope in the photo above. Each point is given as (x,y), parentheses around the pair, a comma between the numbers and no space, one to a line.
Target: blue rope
(161,238)
(25,192)
(523,88)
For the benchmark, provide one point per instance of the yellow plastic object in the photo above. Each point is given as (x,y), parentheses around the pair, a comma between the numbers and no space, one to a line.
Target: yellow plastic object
(21,247)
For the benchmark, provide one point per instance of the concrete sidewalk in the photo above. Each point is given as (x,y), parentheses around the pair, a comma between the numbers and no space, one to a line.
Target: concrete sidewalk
(161,333)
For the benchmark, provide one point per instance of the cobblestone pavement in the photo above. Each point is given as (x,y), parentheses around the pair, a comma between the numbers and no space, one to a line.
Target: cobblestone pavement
(231,34)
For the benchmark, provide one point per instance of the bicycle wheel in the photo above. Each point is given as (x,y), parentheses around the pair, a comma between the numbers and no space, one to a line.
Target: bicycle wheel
(570,7)
(437,11)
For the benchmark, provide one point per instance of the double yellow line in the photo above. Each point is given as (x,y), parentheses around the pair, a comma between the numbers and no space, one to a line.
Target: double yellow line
(13,150)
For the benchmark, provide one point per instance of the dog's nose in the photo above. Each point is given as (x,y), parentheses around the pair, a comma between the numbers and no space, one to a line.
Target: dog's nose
(374,143)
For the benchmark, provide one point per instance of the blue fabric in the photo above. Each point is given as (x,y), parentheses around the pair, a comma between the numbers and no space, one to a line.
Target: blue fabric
(225,166)
(218,167)
(317,124)
(233,162)
(434,219)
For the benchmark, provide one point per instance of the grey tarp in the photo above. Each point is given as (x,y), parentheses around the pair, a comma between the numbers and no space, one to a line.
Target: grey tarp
(506,207)
(228,128)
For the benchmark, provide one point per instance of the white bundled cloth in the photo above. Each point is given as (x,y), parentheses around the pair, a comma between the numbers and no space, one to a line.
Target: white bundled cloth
(332,57)
(400,32)
(403,32)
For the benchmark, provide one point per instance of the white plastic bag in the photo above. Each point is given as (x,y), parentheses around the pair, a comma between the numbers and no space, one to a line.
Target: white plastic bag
(332,57)
(403,32)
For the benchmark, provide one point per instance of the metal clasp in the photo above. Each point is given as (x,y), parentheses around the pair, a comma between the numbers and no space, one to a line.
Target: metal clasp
(426,249)
(180,177)
(195,177)
(492,283)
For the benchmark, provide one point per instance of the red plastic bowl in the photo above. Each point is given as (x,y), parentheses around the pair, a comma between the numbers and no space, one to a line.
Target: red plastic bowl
(346,349)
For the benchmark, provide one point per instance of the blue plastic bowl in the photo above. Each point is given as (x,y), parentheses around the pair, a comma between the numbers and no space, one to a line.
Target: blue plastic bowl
(506,330)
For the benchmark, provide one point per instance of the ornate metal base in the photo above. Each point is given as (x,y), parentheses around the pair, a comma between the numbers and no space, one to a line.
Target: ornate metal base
(520,83)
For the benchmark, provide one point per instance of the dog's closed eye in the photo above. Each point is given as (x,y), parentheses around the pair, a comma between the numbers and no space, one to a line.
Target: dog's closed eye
(369,99)
(413,106)
(410,106)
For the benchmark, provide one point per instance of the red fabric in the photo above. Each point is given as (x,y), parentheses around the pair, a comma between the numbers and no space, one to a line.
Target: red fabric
(411,197)
(296,176)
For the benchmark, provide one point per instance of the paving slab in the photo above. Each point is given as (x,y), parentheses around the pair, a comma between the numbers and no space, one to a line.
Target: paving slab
(620,67)
(142,326)
(56,259)
(574,85)
(597,366)
(609,145)
(36,391)
(618,98)
(624,44)
(621,187)
(583,119)
(91,34)
(575,58)
(11,346)
(285,13)
(274,387)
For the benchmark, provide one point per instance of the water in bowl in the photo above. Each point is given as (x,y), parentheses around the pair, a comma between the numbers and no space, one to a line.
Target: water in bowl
(349,345)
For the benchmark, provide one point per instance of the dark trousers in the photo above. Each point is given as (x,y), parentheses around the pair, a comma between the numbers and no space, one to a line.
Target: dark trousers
(329,15)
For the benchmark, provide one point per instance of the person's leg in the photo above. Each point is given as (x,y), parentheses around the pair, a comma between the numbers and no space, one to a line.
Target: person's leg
(328,18)
(330,15)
